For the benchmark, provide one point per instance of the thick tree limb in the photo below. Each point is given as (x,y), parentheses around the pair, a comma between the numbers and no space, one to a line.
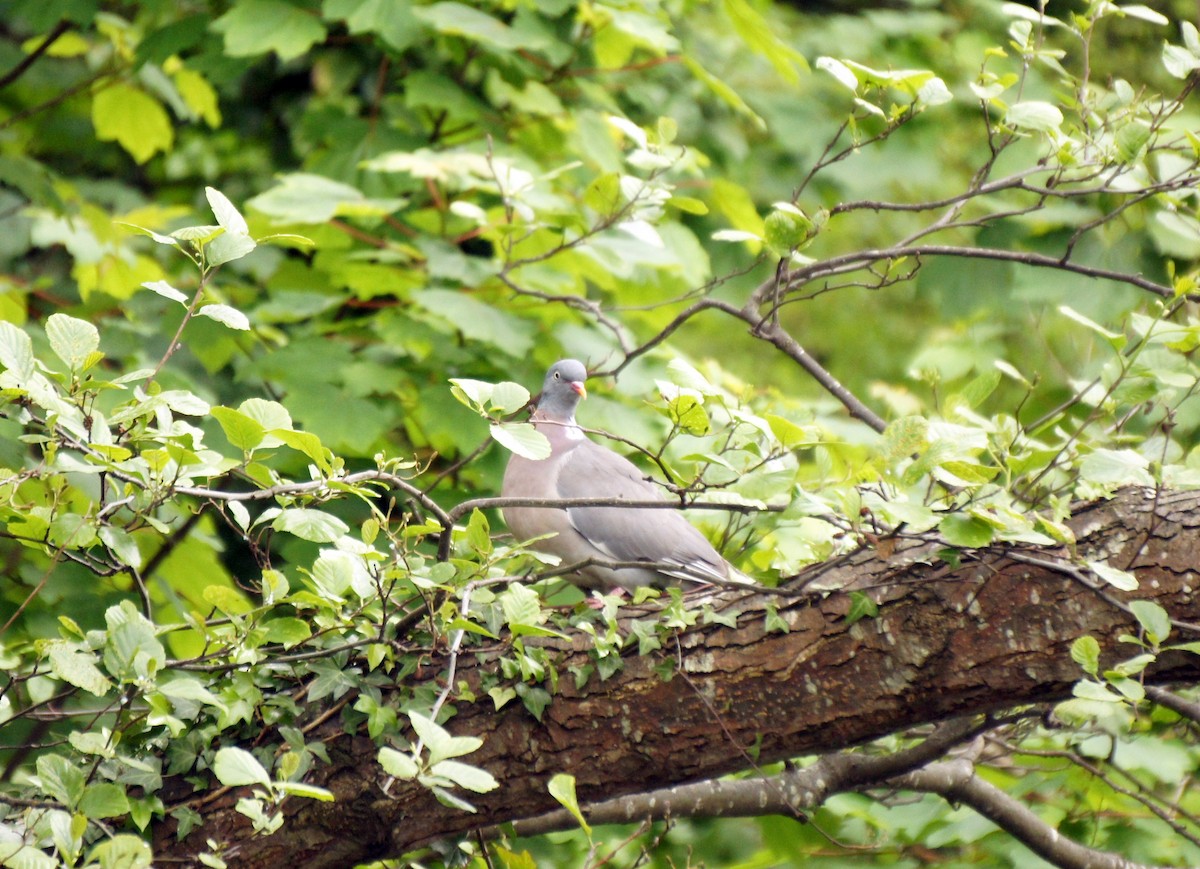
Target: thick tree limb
(948,642)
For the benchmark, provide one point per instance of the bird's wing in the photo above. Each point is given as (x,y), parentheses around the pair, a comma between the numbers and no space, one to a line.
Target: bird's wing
(631,534)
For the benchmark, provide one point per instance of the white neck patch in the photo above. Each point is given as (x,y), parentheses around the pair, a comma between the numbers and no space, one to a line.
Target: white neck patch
(573,432)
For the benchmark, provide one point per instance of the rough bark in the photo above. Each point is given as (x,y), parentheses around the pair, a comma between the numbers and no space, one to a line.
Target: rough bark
(991,634)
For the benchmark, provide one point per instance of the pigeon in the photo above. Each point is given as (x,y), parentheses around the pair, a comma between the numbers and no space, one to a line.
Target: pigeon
(672,549)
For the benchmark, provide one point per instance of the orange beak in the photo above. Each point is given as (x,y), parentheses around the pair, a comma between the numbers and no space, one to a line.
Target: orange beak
(577,385)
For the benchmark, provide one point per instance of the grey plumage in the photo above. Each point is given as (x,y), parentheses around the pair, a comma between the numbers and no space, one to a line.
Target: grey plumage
(580,468)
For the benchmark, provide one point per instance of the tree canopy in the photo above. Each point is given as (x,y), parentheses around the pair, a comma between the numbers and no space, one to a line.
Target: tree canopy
(898,301)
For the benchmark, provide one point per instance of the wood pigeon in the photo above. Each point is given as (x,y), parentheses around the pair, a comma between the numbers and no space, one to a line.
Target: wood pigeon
(580,468)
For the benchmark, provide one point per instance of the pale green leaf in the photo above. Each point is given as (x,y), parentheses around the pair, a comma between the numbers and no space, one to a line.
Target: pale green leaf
(1034,115)
(465,776)
(562,788)
(1155,620)
(254,27)
(76,666)
(227,247)
(398,764)
(235,767)
(167,291)
(72,340)
(132,118)
(314,525)
(1085,651)
(438,741)
(16,352)
(224,314)
(1114,576)
(521,438)
(226,212)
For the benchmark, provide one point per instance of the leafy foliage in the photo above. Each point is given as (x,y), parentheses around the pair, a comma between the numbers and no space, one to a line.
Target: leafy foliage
(240,456)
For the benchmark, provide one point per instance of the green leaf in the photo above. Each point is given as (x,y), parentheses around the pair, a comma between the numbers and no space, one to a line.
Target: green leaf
(968,532)
(1085,651)
(398,764)
(1034,115)
(227,247)
(1116,468)
(521,438)
(465,776)
(301,789)
(562,788)
(603,194)
(254,27)
(133,119)
(307,443)
(471,23)
(314,525)
(76,666)
(104,800)
(288,631)
(225,211)
(1153,618)
(861,606)
(133,652)
(438,741)
(478,321)
(122,851)
(688,413)
(16,352)
(241,431)
(72,340)
(166,290)
(1114,576)
(60,780)
(301,197)
(761,38)
(235,767)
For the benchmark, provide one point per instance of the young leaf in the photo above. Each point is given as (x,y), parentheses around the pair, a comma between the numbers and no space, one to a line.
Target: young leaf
(72,340)
(1085,651)
(235,767)
(562,788)
(438,741)
(231,317)
(1153,618)
(465,776)
(398,764)
(1114,576)
(522,439)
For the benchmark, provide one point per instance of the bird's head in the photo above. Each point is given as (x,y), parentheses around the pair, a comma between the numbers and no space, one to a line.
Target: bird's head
(563,388)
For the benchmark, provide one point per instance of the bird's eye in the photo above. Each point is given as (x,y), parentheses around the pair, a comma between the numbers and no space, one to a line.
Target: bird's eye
(556,375)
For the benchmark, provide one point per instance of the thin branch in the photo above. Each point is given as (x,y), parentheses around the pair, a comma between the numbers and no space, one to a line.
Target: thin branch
(956,781)
(784,794)
(30,59)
